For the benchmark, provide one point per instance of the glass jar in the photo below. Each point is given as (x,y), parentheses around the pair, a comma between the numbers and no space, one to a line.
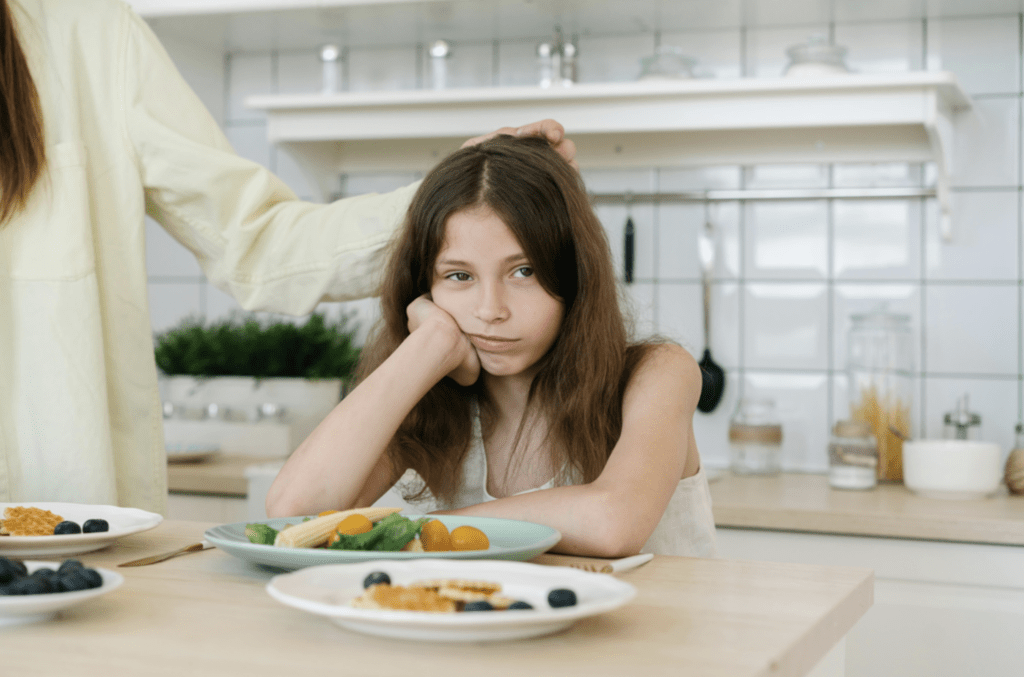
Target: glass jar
(815,58)
(755,438)
(852,456)
(880,364)
(668,63)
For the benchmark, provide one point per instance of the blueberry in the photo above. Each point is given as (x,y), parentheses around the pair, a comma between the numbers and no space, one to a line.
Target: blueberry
(73,581)
(91,576)
(561,597)
(520,605)
(28,585)
(10,570)
(48,577)
(93,526)
(376,578)
(479,605)
(68,565)
(67,527)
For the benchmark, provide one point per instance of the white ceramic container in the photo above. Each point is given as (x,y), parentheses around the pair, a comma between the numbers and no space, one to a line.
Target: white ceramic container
(957,469)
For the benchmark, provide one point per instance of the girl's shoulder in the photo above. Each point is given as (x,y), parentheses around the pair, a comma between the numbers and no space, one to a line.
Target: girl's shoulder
(664,369)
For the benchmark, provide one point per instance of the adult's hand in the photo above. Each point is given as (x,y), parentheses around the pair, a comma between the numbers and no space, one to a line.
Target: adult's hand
(549,129)
(423,310)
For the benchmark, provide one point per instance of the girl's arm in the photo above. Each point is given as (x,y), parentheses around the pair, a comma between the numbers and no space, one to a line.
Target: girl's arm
(342,463)
(615,514)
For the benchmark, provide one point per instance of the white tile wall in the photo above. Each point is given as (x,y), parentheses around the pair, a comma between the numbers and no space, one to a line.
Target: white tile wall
(787,275)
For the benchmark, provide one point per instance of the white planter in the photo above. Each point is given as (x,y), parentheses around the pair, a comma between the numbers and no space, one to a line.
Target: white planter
(238,428)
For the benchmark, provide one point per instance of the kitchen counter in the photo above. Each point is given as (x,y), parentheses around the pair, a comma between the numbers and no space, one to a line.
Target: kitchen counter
(787,502)
(805,502)
(223,475)
(208,613)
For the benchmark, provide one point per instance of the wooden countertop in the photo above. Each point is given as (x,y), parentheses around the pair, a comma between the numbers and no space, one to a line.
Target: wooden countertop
(805,502)
(223,474)
(207,613)
(787,502)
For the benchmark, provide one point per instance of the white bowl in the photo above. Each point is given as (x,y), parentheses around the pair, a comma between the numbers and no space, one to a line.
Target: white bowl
(958,469)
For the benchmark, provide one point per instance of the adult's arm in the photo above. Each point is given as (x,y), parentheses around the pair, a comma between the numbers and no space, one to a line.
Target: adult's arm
(251,234)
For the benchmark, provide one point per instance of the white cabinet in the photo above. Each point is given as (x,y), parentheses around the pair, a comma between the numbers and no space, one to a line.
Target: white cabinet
(941,609)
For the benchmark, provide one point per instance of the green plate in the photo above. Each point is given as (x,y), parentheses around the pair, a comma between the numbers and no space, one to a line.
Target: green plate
(510,540)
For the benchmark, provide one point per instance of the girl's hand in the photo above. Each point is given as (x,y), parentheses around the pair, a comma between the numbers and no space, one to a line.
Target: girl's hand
(423,311)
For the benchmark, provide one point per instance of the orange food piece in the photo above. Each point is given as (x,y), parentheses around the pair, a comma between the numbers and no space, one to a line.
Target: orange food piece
(435,537)
(327,512)
(469,538)
(350,526)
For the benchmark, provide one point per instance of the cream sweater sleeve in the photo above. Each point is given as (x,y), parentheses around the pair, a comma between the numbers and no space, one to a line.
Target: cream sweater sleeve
(252,236)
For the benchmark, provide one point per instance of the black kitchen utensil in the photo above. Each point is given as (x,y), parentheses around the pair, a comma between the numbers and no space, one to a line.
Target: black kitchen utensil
(713,376)
(628,251)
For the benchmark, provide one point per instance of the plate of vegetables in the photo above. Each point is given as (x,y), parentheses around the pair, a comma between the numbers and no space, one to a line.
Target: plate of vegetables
(365,534)
(534,599)
(68,528)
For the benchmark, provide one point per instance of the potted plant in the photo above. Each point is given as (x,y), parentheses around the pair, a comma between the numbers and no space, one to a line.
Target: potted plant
(243,371)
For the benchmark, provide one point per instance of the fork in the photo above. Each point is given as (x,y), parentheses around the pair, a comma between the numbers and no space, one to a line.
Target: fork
(615,566)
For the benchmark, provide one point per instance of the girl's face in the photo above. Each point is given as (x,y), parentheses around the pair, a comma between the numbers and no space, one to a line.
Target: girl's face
(483,279)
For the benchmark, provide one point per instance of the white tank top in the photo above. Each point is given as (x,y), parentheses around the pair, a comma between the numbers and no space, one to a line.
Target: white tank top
(687,527)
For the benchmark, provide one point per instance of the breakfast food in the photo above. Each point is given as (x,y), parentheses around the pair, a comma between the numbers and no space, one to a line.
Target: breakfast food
(70,576)
(94,526)
(20,520)
(561,597)
(402,598)
(437,596)
(28,521)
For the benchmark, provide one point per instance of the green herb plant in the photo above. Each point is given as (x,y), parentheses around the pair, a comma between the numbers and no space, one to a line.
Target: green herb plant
(245,346)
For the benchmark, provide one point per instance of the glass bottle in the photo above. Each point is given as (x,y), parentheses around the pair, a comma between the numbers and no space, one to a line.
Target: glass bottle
(755,438)
(852,456)
(880,362)
(962,423)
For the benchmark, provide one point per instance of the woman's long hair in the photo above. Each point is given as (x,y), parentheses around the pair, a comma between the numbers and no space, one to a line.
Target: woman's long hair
(22,150)
(578,388)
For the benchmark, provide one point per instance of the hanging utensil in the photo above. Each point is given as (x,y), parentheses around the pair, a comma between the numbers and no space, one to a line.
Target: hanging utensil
(713,376)
(628,250)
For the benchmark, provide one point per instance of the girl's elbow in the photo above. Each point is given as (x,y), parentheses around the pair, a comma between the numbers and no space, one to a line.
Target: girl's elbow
(617,536)
(279,504)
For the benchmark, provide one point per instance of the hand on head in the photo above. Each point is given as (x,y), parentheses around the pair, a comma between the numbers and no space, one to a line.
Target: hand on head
(423,310)
(549,129)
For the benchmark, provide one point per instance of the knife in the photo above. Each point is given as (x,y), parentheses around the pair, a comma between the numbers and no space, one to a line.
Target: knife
(153,559)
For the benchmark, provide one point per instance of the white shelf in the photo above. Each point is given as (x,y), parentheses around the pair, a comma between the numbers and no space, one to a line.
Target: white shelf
(848,118)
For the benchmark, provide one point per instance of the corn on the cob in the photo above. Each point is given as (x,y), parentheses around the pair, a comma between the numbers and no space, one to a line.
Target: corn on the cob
(316,531)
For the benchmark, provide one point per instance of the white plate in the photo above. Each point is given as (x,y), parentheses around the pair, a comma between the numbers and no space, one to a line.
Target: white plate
(509,539)
(18,609)
(122,521)
(191,453)
(326,590)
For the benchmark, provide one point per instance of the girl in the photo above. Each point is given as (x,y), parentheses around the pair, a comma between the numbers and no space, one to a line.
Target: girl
(502,374)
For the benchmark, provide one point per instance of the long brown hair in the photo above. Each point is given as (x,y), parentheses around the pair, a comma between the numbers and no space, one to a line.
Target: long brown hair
(578,388)
(22,149)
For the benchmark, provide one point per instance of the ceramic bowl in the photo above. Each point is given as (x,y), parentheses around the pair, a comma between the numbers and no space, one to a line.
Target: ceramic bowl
(957,469)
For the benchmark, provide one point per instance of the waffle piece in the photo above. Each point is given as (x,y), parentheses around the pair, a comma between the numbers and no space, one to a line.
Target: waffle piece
(28,521)
(400,598)
(456,585)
